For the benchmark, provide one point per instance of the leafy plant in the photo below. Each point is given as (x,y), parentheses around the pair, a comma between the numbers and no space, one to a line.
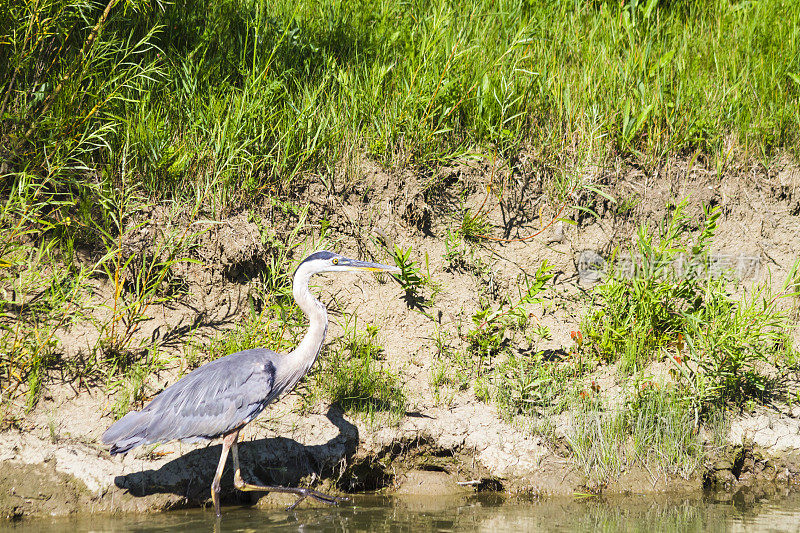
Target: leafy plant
(645,300)
(488,337)
(409,276)
(352,375)
(672,304)
(532,385)
(456,252)
(412,279)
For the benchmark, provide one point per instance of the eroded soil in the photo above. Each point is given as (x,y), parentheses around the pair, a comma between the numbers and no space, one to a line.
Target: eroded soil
(53,462)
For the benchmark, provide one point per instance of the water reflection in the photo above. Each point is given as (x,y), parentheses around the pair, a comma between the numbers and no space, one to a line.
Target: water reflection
(484,512)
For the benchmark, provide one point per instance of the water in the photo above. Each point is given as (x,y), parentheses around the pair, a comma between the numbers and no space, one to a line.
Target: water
(475,513)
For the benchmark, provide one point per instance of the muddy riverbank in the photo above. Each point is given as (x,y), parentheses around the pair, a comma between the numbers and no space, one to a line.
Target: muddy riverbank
(449,439)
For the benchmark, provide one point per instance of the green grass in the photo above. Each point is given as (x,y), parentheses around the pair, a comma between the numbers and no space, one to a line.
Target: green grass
(656,429)
(352,375)
(533,386)
(237,97)
(668,304)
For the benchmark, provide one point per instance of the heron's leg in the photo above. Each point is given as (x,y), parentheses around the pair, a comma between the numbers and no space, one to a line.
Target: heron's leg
(227,441)
(301,493)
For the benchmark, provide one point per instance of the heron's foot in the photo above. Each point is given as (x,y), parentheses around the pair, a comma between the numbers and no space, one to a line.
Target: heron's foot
(300,492)
(303,493)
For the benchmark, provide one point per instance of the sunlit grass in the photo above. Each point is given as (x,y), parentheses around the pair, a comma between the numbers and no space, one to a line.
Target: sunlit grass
(352,375)
(243,95)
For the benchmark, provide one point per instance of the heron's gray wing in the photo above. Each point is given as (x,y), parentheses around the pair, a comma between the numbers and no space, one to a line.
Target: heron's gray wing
(213,400)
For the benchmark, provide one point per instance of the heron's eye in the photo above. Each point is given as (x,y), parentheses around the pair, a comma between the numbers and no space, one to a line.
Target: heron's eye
(335,261)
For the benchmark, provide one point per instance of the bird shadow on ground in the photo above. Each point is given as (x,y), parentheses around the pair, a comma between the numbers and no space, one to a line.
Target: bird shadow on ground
(273,461)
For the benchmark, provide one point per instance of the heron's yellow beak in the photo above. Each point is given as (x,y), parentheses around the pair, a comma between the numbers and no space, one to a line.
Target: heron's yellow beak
(354,264)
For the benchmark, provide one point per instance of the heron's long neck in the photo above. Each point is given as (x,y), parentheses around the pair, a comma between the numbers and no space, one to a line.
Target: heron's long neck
(306,352)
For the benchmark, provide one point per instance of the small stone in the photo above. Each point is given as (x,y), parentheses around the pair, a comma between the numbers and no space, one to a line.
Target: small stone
(558,233)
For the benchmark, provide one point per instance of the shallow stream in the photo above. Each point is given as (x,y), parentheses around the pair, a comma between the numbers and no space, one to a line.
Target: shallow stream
(483,512)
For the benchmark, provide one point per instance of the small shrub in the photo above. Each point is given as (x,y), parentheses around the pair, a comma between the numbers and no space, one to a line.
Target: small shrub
(672,304)
(489,336)
(412,279)
(644,307)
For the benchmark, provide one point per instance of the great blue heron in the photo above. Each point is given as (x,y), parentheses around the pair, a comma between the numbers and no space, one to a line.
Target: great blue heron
(221,397)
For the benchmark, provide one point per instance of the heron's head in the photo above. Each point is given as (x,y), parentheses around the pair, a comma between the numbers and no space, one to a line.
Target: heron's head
(325,261)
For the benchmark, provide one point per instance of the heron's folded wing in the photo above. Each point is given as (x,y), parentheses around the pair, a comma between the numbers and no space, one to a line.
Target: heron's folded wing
(214,399)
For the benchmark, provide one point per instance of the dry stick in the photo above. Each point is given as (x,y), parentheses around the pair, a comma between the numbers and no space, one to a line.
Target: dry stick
(87,45)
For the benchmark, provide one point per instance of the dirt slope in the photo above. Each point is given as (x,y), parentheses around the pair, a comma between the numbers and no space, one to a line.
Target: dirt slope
(53,463)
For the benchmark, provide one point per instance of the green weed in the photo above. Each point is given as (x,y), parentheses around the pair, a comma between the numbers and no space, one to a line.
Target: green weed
(412,279)
(645,299)
(489,336)
(486,343)
(534,386)
(352,375)
(657,429)
(456,251)
(670,303)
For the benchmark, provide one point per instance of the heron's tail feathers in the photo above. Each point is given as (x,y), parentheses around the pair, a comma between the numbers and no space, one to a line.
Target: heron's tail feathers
(128,432)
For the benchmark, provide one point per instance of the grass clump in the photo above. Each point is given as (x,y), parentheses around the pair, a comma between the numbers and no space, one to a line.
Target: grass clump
(352,375)
(535,386)
(647,296)
(488,342)
(670,305)
(663,424)
(130,386)
(655,428)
